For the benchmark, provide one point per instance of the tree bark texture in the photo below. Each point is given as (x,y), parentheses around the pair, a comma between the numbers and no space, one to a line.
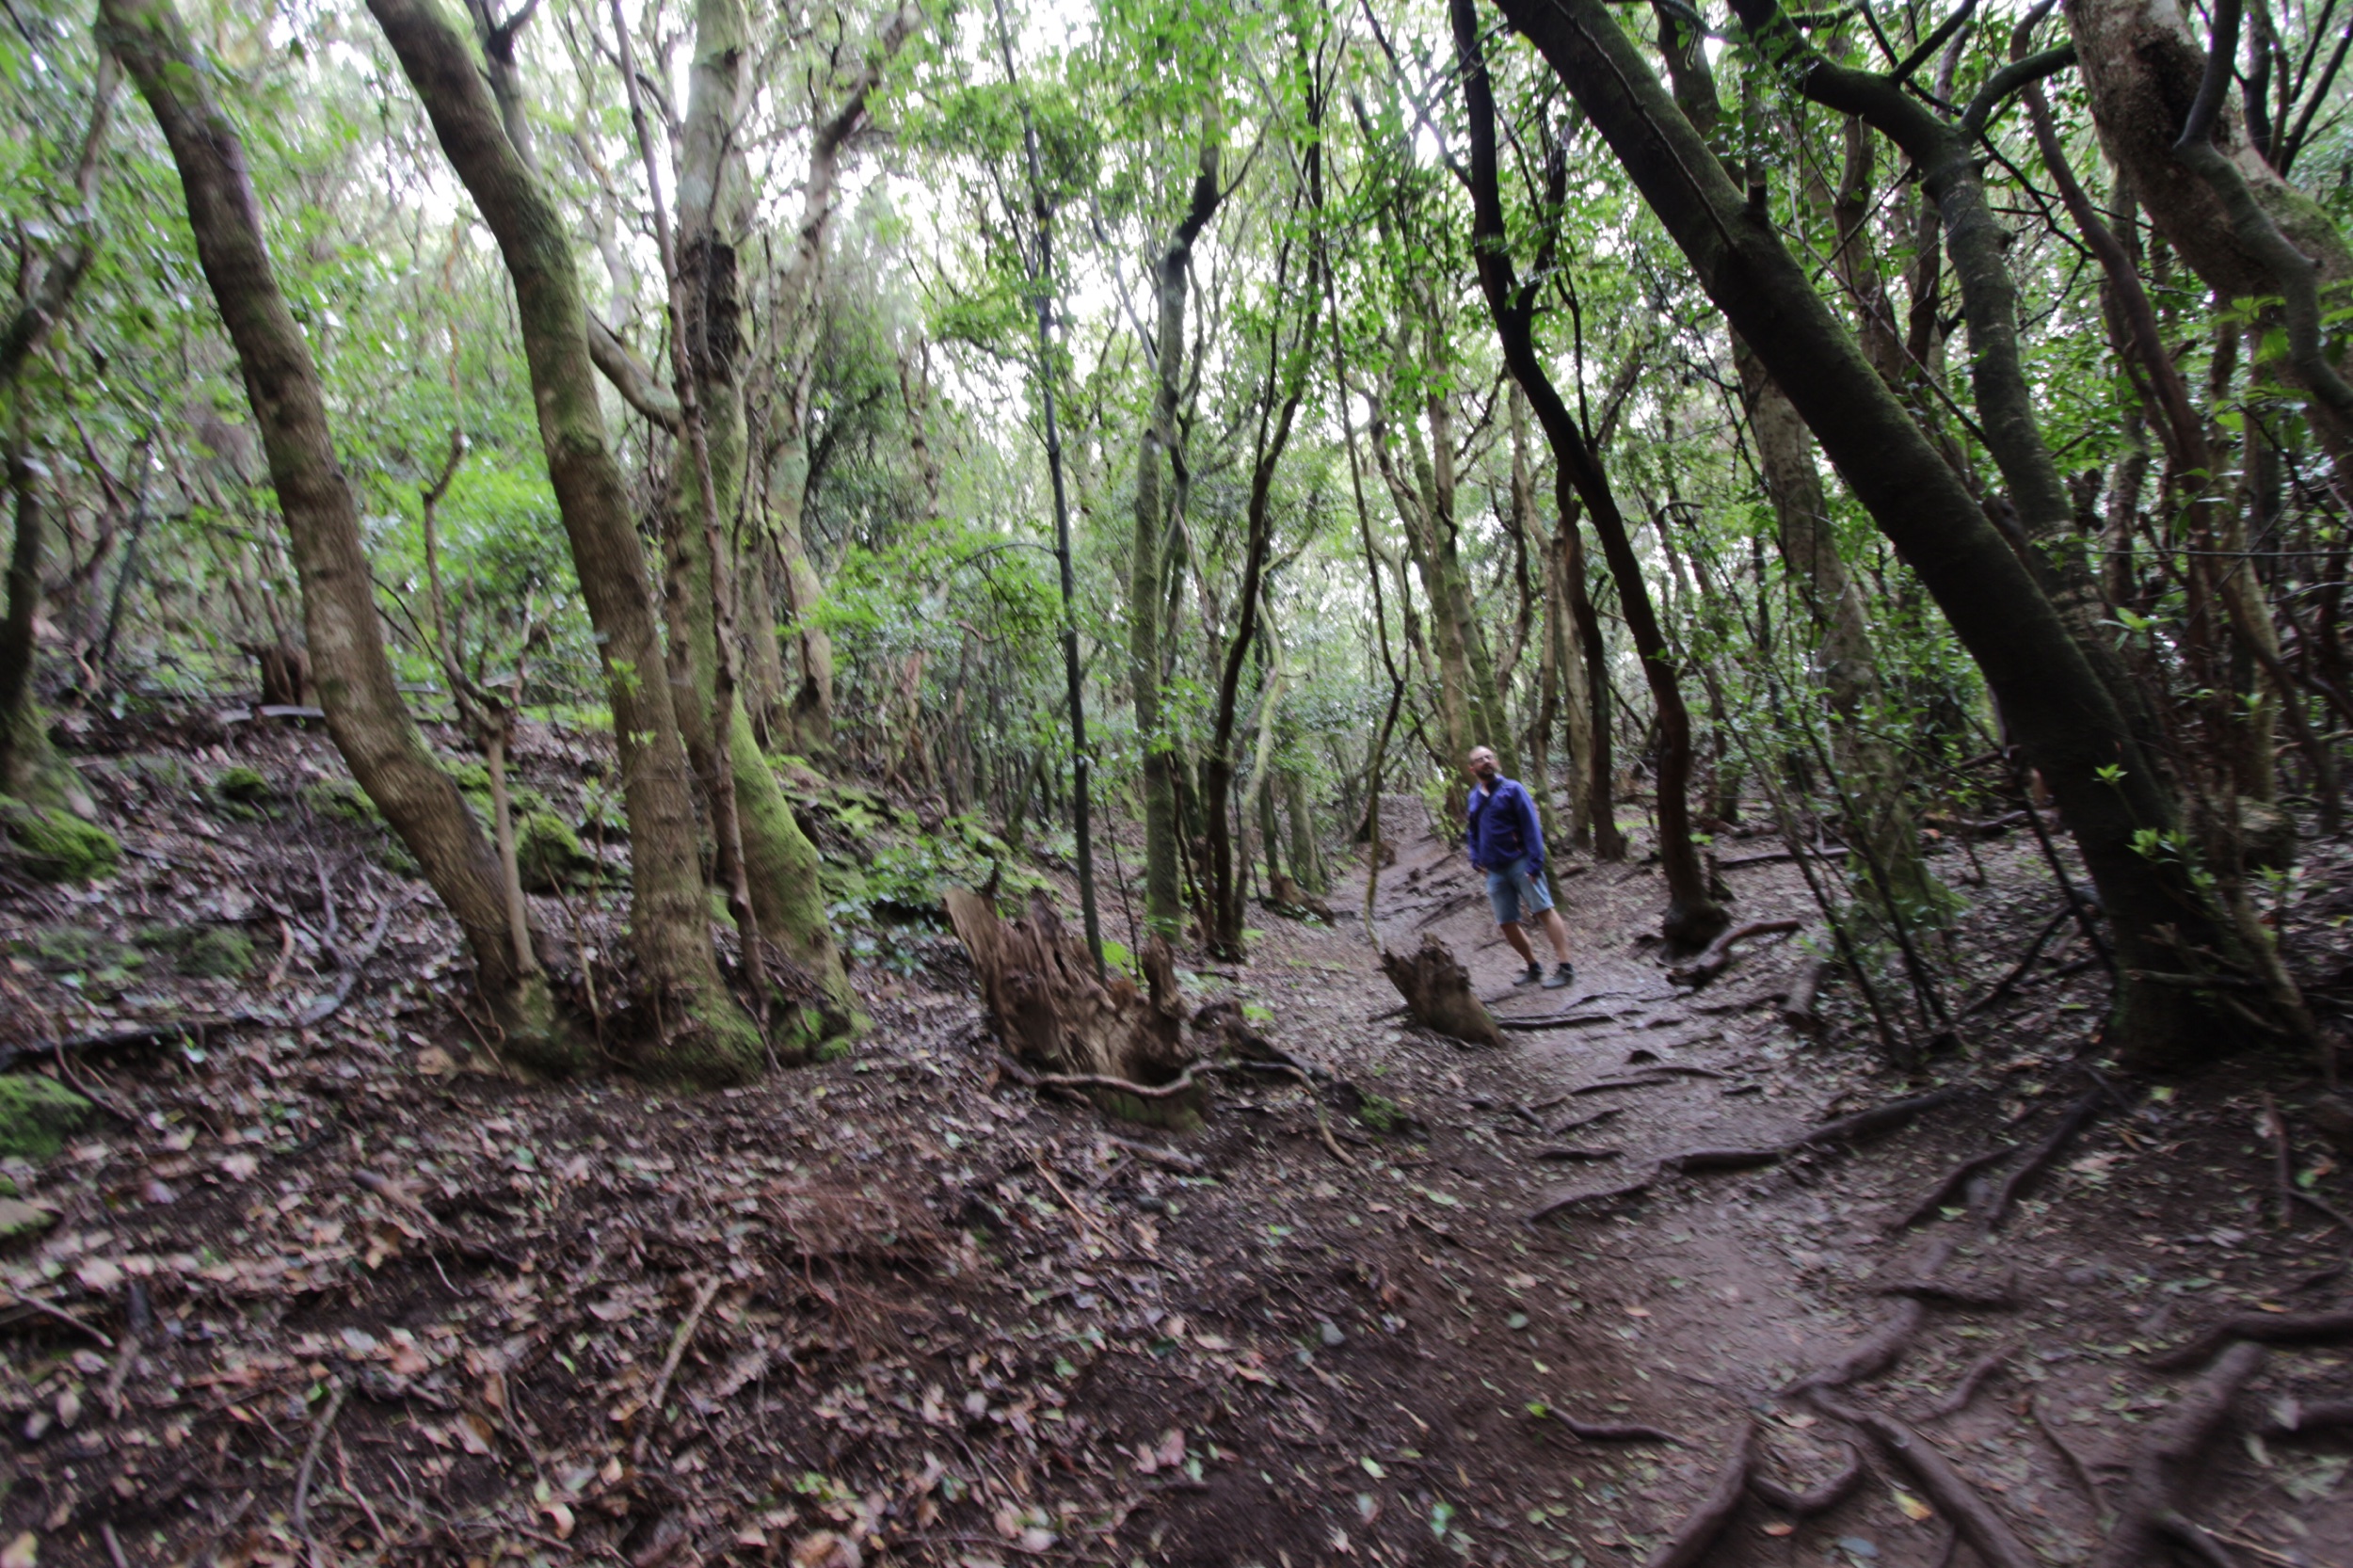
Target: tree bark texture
(371,727)
(2058,708)
(700,1034)
(29,766)
(779,863)
(1164,893)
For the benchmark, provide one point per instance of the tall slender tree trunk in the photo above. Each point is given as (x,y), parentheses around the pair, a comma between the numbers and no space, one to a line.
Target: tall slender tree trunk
(1693,917)
(1550,650)
(702,1036)
(1164,895)
(354,677)
(29,766)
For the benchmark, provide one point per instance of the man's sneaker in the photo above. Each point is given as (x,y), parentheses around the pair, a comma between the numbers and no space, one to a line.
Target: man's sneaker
(1563,974)
(1533,973)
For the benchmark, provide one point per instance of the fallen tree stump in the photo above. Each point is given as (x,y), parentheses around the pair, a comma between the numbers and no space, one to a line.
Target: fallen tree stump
(1126,1048)
(1437,992)
(1717,956)
(1286,897)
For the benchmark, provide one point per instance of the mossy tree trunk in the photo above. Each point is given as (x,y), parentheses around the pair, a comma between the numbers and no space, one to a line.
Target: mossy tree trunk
(703,1037)
(353,675)
(29,767)
(779,865)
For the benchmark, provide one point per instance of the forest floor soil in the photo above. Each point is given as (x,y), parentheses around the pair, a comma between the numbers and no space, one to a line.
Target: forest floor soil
(337,1294)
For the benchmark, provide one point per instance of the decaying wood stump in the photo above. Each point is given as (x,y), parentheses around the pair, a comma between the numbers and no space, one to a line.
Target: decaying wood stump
(1286,897)
(1437,992)
(1058,1020)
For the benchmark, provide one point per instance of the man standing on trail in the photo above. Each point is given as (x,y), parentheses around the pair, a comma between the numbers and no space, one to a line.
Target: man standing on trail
(1506,842)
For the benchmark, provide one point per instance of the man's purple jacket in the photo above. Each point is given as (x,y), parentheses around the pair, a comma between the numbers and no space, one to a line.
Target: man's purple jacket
(1503,827)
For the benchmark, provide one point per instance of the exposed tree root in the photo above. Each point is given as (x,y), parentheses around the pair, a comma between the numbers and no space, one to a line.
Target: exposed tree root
(1555,1020)
(1644,1081)
(1967,1294)
(2040,1159)
(1717,956)
(1955,1185)
(2196,1542)
(1987,1532)
(1614,1432)
(2322,1415)
(2075,1465)
(1697,1534)
(1561,1203)
(2292,1328)
(2169,1456)
(1970,1381)
(1818,1499)
(1872,1354)
(2324,1207)
(1182,1083)
(1879,1119)
(2018,970)
(1172,1160)
(1694,1162)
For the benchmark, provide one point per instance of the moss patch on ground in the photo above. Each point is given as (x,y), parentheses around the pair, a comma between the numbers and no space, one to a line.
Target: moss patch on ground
(37,1115)
(57,846)
(205,952)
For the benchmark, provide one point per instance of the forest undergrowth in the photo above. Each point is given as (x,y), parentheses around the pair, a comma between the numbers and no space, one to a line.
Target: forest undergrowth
(352,1293)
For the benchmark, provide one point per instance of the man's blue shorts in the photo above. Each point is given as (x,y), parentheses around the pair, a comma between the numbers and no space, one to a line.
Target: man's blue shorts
(1511,889)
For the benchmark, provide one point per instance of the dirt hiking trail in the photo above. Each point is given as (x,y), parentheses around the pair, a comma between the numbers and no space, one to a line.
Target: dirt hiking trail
(328,1295)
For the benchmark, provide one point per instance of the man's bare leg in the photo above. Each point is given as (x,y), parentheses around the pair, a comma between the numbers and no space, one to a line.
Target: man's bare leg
(1557,932)
(1518,938)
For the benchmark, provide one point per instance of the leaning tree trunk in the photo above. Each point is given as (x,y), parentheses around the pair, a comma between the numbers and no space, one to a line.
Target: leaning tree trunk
(780,865)
(1946,155)
(702,1035)
(1693,917)
(354,677)
(2057,707)
(1163,896)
